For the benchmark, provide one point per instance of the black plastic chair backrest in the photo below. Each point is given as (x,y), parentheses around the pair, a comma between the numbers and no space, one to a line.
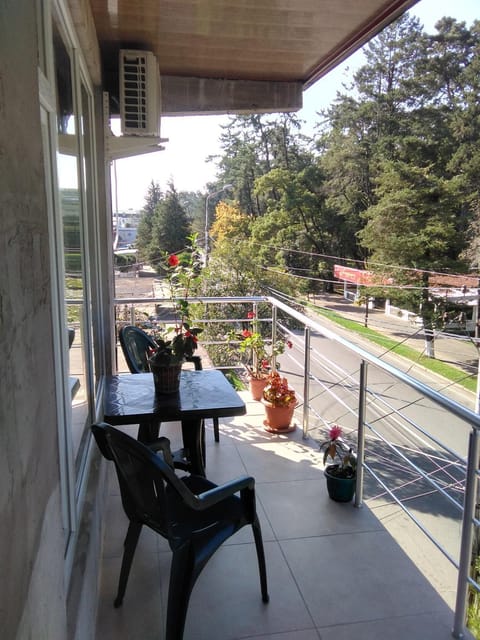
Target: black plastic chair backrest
(135,344)
(197,362)
(143,478)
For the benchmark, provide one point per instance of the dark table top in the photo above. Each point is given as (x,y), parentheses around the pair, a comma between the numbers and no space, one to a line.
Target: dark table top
(130,398)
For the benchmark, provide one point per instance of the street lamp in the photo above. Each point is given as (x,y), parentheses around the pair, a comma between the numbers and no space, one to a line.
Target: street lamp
(210,195)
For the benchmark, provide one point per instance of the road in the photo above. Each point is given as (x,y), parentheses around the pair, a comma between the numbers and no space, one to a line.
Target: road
(456,349)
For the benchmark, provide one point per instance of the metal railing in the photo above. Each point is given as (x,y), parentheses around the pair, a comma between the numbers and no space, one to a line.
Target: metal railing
(448,474)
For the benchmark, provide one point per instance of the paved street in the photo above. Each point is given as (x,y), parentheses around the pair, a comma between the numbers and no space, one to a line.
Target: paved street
(459,351)
(131,286)
(455,349)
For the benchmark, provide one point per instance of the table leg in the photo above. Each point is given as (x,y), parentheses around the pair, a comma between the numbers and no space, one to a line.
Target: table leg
(193,433)
(148,431)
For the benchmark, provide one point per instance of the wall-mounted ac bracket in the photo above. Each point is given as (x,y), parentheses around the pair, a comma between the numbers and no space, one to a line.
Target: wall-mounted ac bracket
(126,146)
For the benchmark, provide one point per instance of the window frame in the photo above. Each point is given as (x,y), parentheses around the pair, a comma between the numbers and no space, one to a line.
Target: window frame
(73,470)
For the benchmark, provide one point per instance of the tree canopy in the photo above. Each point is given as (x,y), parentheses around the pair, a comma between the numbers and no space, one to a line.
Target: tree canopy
(390,177)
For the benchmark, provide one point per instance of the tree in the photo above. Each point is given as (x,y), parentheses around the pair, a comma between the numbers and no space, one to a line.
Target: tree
(254,145)
(413,224)
(364,128)
(412,117)
(297,222)
(471,253)
(230,223)
(395,175)
(461,95)
(144,233)
(170,228)
(194,204)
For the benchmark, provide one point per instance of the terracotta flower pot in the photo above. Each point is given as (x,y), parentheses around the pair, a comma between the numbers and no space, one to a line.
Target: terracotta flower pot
(166,378)
(279,419)
(256,386)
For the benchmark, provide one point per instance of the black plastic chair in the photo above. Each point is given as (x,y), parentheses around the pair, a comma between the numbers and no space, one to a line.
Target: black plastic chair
(135,345)
(193,514)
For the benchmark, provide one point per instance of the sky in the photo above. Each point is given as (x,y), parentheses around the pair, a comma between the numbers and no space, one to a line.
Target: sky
(192,139)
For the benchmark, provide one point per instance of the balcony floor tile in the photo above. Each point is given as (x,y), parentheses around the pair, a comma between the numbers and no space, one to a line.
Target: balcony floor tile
(335,572)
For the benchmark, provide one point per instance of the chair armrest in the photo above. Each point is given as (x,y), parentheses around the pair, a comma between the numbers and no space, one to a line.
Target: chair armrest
(163,444)
(214,496)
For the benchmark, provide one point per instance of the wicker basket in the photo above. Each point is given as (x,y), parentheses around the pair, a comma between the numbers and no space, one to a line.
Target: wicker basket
(166,379)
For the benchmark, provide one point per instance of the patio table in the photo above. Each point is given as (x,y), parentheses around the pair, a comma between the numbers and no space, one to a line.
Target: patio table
(131,398)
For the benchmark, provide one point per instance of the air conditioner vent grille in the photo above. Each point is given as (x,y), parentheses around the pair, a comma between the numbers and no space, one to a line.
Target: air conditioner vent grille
(139,92)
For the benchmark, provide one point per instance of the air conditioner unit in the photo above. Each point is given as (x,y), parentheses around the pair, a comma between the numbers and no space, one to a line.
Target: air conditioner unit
(140,101)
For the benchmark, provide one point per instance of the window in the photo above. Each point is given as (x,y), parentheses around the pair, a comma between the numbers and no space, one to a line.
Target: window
(68,139)
(72,193)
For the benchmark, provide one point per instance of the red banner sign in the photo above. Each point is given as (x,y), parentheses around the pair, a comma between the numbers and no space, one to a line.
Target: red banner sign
(359,276)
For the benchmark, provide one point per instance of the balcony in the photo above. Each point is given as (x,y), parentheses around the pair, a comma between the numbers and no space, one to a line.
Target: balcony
(334,571)
(393,567)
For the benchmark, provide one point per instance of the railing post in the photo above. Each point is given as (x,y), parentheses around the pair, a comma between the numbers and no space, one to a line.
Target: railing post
(306,382)
(255,326)
(362,406)
(132,315)
(467,536)
(274,335)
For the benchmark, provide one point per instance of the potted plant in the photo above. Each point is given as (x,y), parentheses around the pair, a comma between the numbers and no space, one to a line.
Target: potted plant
(180,340)
(279,400)
(259,355)
(342,473)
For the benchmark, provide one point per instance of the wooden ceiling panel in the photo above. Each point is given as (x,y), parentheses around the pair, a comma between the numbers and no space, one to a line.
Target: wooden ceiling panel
(288,40)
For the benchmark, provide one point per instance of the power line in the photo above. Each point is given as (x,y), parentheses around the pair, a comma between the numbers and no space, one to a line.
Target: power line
(325,280)
(362,262)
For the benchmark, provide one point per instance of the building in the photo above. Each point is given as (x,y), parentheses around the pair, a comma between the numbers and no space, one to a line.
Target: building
(125,227)
(60,79)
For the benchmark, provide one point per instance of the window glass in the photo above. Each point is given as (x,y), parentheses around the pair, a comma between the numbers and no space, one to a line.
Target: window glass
(89,199)
(73,236)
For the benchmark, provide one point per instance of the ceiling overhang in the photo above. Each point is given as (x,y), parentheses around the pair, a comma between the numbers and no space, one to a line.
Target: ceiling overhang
(228,56)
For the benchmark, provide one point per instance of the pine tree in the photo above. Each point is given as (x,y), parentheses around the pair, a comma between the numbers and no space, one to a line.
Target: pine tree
(144,233)
(170,228)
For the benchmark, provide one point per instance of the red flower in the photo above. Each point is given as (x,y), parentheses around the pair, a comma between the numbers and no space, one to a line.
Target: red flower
(264,364)
(250,315)
(289,344)
(173,260)
(246,333)
(335,432)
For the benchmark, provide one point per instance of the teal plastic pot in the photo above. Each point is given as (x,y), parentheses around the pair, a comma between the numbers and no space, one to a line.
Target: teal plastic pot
(339,489)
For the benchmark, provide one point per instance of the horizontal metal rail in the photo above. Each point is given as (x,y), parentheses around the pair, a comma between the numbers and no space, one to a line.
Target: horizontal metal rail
(451,405)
